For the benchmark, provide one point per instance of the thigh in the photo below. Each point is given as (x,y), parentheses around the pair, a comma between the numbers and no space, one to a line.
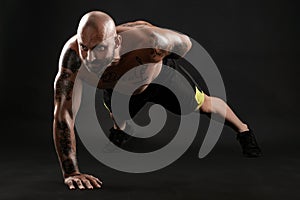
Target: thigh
(166,98)
(189,95)
(136,103)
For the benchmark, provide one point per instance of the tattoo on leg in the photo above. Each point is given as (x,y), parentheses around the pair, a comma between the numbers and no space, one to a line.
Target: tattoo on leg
(68,166)
(71,60)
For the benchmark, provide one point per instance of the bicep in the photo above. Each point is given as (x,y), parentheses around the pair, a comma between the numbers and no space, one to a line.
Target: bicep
(67,93)
(69,59)
(63,86)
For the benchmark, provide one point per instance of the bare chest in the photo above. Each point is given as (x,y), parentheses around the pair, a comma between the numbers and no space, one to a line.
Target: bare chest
(132,72)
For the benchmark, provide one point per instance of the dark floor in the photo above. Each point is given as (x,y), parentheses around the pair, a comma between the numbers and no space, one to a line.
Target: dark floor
(255,45)
(31,171)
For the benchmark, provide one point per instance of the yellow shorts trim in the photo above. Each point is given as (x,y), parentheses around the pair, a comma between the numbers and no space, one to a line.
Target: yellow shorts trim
(199,96)
(106,106)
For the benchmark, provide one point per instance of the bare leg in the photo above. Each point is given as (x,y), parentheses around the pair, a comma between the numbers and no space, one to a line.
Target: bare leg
(220,107)
(245,136)
(120,126)
(117,134)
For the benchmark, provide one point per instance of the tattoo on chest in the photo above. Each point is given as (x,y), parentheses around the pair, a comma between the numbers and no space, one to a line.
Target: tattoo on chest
(63,87)
(64,137)
(110,77)
(138,73)
(68,166)
(139,60)
(71,60)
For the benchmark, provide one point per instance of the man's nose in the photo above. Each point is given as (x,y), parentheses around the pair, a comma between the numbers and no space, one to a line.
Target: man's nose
(90,56)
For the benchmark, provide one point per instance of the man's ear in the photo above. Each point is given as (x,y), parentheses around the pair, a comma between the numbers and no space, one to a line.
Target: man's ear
(118,41)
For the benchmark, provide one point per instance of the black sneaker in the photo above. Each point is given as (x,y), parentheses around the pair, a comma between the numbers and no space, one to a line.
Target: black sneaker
(249,144)
(119,137)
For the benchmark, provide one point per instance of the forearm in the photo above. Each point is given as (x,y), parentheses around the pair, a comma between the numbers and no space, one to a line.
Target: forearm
(65,144)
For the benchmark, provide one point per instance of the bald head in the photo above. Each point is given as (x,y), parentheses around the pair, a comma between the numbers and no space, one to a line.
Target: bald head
(96,26)
(98,41)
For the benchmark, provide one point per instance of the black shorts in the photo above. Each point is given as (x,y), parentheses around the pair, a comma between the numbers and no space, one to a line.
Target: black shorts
(159,94)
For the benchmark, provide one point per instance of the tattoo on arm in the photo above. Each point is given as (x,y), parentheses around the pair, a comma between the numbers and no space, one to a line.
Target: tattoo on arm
(68,166)
(159,46)
(63,87)
(163,47)
(156,53)
(71,60)
(64,137)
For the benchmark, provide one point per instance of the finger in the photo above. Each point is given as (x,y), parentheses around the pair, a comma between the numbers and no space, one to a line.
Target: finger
(79,184)
(69,183)
(87,183)
(95,181)
(98,180)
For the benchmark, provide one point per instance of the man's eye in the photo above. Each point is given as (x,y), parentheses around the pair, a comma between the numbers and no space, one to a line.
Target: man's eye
(100,48)
(84,48)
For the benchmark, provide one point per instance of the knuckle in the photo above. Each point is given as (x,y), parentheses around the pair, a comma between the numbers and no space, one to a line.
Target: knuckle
(86,181)
(68,181)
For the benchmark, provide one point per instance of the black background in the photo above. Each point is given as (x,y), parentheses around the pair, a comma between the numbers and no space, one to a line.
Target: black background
(255,44)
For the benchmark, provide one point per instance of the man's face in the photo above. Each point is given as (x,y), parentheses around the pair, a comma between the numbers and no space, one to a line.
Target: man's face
(97,53)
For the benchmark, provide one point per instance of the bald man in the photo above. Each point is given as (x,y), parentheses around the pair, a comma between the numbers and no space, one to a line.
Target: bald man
(99,54)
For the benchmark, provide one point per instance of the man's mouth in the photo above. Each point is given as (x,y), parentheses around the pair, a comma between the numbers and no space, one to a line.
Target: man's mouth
(94,65)
(96,69)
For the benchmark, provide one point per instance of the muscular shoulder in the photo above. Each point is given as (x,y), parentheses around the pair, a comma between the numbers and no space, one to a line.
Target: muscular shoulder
(141,38)
(133,25)
(69,57)
(137,32)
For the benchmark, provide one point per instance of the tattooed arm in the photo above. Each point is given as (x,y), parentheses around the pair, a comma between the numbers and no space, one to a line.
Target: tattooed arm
(168,42)
(162,42)
(67,95)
